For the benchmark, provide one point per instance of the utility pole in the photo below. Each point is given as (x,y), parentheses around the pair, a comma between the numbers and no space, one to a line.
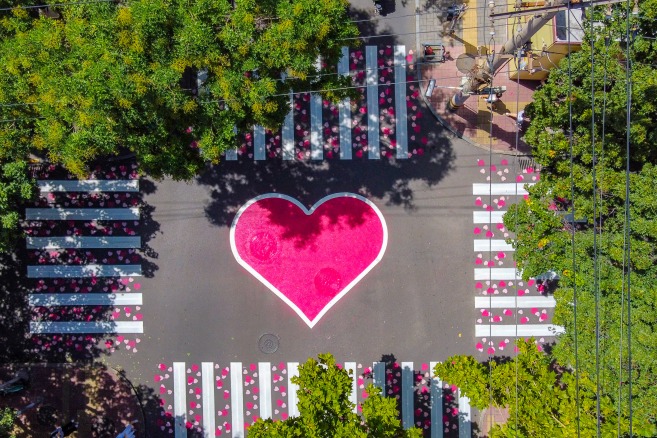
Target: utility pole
(479,76)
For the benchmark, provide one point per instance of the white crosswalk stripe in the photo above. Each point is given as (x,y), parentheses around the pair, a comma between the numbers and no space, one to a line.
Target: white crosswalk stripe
(487,217)
(465,417)
(288,132)
(496,274)
(83,242)
(481,245)
(496,189)
(400,102)
(436,403)
(89,185)
(82,214)
(207,381)
(498,302)
(372,103)
(77,327)
(87,299)
(512,330)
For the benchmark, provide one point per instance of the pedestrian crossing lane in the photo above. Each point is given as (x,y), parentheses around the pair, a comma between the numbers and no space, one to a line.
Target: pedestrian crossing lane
(497,274)
(184,396)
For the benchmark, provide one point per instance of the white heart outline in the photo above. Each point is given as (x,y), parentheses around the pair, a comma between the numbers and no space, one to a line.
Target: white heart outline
(308,212)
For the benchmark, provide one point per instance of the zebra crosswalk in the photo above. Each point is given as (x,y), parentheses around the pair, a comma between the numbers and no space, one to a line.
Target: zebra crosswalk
(508,308)
(382,79)
(209,399)
(83,245)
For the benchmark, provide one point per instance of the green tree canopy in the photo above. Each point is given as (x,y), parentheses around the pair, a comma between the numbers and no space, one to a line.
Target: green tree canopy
(540,396)
(544,230)
(326,412)
(106,77)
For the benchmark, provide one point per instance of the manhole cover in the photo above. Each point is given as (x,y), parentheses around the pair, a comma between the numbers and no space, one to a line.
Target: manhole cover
(268,343)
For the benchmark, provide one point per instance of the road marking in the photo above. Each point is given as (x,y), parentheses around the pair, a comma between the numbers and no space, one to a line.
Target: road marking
(69,327)
(400,102)
(64,271)
(237,405)
(353,395)
(316,137)
(436,403)
(259,143)
(408,411)
(88,299)
(287,133)
(179,400)
(514,302)
(508,189)
(89,185)
(264,377)
(481,245)
(379,376)
(81,242)
(292,388)
(465,420)
(207,385)
(344,108)
(497,274)
(487,330)
(231,154)
(106,214)
(373,146)
(487,217)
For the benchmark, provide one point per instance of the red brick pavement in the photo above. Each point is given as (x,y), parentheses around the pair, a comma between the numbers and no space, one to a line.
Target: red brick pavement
(473,121)
(96,397)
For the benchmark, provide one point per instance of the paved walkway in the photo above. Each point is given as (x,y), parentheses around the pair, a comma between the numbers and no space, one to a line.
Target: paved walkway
(471,122)
(96,397)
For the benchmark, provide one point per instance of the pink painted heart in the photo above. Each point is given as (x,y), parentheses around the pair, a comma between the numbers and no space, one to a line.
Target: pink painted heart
(310,258)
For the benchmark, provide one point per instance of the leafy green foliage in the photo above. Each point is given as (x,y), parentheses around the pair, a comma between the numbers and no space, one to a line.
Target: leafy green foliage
(539,395)
(545,239)
(107,77)
(16,187)
(325,409)
(7,418)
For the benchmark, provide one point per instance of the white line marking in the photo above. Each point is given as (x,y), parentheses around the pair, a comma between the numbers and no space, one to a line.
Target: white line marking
(316,136)
(344,109)
(83,242)
(259,143)
(63,271)
(89,185)
(518,330)
(436,403)
(207,382)
(87,327)
(88,299)
(400,102)
(236,399)
(231,154)
(264,377)
(482,245)
(271,287)
(287,134)
(408,410)
(373,146)
(379,376)
(292,388)
(496,274)
(104,214)
(179,399)
(353,395)
(465,417)
(485,217)
(514,302)
(508,189)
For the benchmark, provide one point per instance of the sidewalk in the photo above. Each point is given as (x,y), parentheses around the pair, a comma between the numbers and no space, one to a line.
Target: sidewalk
(95,396)
(472,122)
